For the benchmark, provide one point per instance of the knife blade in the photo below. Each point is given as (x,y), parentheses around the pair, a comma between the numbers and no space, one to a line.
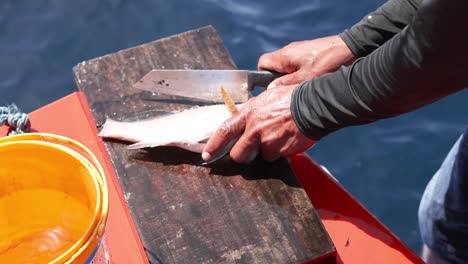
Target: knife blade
(205,84)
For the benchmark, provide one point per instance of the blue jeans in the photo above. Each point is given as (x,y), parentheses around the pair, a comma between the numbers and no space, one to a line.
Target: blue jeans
(443,211)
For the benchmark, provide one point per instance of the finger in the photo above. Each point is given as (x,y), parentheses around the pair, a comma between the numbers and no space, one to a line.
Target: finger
(271,152)
(229,130)
(289,79)
(246,149)
(270,61)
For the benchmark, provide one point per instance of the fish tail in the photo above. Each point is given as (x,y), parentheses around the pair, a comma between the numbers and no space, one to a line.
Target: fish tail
(109,128)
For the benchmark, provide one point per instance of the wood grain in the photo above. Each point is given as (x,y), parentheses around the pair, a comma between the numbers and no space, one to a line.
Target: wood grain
(185,212)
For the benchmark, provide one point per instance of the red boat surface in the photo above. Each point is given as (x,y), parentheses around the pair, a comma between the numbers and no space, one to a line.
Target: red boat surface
(358,236)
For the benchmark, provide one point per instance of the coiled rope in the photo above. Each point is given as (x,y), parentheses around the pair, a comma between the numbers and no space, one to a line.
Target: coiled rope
(11,116)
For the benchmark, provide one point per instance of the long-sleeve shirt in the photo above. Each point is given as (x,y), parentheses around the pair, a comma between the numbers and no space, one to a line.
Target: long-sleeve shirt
(414,55)
(379,26)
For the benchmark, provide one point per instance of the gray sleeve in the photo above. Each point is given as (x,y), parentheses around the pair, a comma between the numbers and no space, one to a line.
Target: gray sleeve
(423,63)
(379,26)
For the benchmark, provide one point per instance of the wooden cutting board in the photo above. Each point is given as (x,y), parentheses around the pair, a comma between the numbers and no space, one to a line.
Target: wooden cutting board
(185,212)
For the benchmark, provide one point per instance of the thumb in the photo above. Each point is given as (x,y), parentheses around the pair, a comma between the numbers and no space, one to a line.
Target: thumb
(224,136)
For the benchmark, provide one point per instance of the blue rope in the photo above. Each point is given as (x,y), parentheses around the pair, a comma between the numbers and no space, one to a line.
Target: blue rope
(14,118)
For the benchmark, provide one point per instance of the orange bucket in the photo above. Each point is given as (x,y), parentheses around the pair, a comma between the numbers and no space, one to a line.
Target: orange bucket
(53,200)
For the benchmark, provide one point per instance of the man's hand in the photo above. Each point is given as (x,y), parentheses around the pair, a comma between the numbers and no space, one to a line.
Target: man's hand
(263,125)
(307,59)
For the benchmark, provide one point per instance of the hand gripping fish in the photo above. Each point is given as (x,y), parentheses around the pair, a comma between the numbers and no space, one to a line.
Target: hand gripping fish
(186,129)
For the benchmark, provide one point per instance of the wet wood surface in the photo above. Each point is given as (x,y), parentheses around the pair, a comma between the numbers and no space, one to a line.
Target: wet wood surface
(185,212)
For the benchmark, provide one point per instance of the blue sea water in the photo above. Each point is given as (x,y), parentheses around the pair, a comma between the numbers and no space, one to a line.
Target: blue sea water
(385,165)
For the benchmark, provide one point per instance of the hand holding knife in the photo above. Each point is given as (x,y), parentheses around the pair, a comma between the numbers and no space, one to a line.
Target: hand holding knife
(205,85)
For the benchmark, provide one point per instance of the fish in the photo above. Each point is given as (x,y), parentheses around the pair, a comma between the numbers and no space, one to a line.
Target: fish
(186,129)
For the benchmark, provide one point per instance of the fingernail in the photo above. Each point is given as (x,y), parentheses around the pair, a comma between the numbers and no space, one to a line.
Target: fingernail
(272,85)
(206,156)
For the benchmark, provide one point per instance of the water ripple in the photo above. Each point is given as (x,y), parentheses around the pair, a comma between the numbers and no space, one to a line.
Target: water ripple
(239,8)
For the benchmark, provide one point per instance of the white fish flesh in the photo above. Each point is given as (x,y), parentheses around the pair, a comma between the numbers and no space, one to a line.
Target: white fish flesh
(185,129)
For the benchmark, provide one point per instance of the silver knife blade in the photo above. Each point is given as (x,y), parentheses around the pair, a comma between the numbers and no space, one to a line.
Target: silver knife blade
(200,84)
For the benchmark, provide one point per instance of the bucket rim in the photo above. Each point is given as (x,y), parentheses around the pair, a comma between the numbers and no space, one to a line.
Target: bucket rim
(60,143)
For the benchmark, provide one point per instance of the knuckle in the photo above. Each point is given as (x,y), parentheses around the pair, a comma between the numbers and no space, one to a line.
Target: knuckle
(226,129)
(251,139)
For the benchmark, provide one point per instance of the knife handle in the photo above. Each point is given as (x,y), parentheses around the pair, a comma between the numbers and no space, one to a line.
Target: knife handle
(262,78)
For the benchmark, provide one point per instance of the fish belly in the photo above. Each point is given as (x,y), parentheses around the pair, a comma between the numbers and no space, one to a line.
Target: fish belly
(185,129)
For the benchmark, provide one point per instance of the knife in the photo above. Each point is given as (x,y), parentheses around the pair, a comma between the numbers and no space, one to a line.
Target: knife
(205,84)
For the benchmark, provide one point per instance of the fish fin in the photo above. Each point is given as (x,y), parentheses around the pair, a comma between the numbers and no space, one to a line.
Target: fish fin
(143,144)
(190,146)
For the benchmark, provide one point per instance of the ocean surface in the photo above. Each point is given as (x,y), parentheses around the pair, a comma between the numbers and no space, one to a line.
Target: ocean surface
(385,165)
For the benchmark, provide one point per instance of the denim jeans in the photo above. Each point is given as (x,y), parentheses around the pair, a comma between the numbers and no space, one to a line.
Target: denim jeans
(443,211)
